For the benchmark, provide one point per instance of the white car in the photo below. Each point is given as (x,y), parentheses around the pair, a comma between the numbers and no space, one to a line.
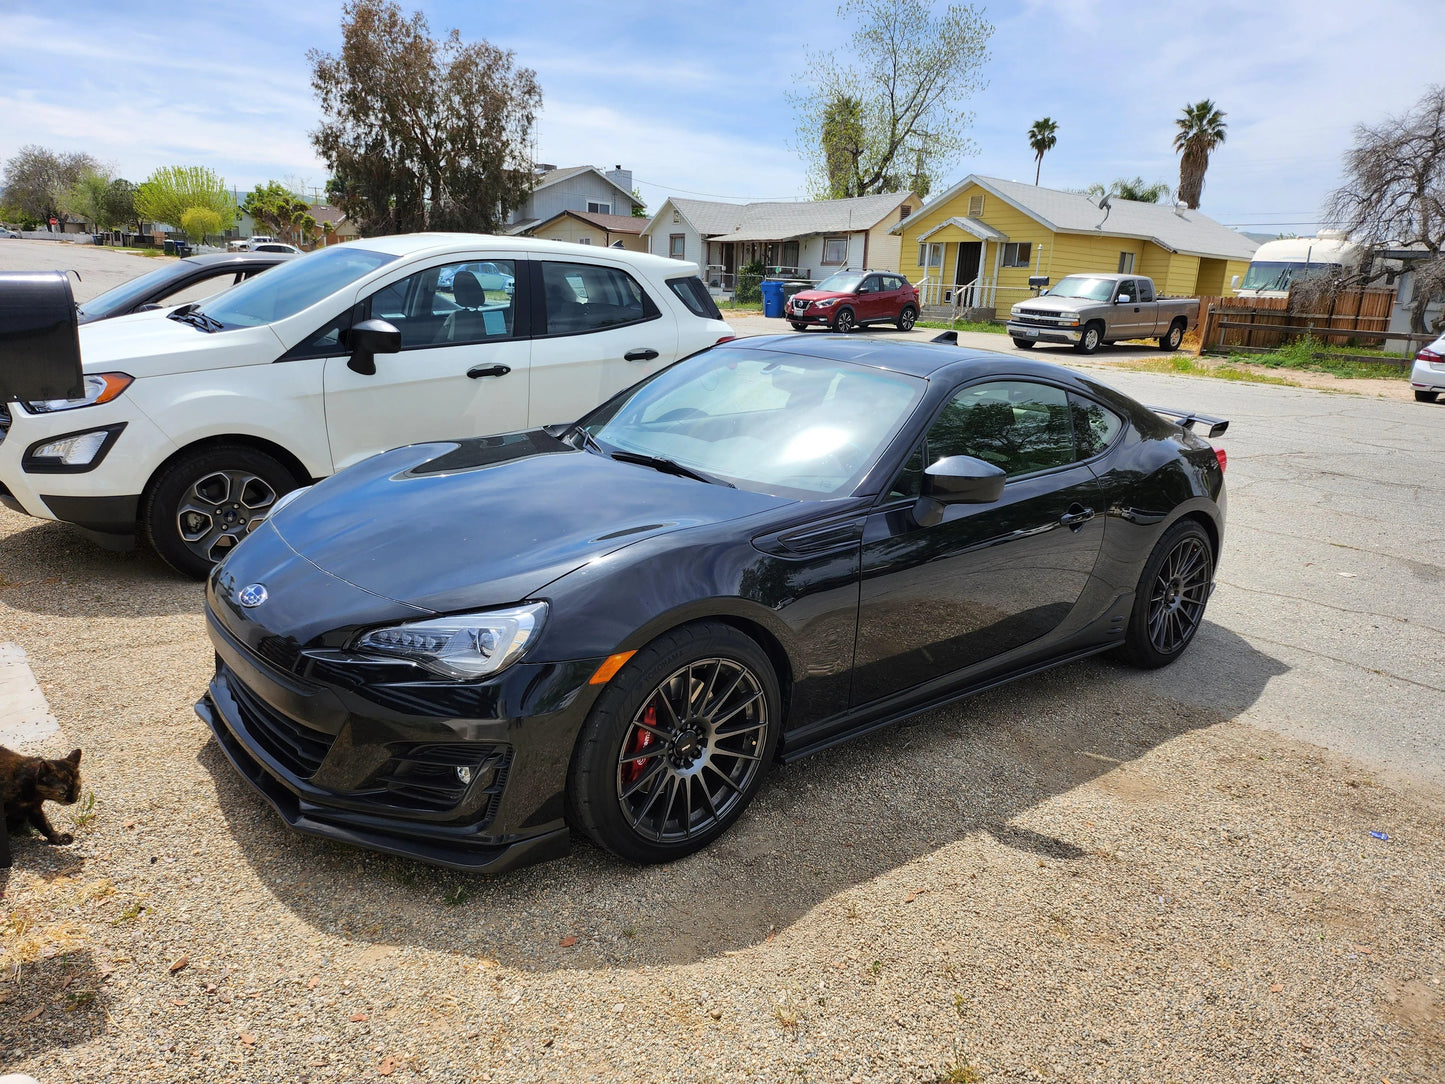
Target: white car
(194,424)
(1427,376)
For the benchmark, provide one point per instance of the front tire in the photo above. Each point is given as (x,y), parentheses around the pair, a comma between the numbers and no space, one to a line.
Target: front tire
(1090,340)
(677,745)
(845,322)
(1426,396)
(1171,339)
(1025,344)
(1170,599)
(201,506)
(797,326)
(907,318)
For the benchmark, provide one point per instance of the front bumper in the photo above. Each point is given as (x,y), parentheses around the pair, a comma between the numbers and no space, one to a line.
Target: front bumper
(367,754)
(1042,333)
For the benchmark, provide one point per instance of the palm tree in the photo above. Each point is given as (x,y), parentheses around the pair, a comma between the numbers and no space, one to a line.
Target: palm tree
(1137,190)
(1042,137)
(1201,129)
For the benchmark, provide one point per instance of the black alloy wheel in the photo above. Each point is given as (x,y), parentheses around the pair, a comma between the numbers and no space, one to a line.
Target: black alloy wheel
(907,317)
(200,507)
(1170,600)
(677,744)
(845,321)
(1171,339)
(1090,339)
(1025,344)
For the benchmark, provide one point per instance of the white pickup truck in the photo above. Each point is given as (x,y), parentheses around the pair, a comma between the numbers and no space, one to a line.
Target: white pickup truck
(1087,311)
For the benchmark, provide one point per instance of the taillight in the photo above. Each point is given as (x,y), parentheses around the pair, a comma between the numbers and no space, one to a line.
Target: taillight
(725,339)
(1428,355)
(1223,459)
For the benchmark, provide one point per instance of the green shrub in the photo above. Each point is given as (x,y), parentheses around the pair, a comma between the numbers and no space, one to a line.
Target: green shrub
(750,279)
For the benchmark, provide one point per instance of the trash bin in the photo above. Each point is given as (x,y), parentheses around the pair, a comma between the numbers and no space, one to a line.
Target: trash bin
(791,288)
(183,248)
(169,246)
(772,298)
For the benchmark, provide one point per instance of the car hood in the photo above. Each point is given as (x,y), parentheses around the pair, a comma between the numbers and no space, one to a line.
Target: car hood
(489,521)
(149,344)
(1049,303)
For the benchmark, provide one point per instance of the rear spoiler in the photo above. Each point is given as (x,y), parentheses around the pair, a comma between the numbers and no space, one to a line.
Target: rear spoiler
(949,337)
(1187,419)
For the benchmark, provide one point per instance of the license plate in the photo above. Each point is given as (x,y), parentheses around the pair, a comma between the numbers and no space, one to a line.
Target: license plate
(1031,333)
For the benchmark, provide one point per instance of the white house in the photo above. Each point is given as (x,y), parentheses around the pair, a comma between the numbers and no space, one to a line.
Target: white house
(576,188)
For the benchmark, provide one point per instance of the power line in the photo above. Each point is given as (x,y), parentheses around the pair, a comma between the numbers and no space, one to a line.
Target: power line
(712,195)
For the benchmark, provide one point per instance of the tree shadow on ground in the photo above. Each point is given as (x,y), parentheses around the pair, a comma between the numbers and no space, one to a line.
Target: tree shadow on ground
(818,828)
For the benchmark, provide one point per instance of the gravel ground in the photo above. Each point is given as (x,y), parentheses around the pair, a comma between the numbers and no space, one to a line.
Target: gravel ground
(1089,875)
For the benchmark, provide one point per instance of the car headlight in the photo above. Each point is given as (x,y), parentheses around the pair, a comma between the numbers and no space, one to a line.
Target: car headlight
(465,646)
(99,388)
(827,302)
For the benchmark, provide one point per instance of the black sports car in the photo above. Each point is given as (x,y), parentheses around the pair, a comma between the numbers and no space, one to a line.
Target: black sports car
(177,281)
(458,650)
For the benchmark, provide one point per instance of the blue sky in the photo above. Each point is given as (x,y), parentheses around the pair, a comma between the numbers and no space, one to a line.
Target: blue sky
(692,96)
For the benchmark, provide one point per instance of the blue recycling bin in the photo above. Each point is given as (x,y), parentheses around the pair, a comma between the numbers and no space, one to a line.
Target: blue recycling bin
(772,299)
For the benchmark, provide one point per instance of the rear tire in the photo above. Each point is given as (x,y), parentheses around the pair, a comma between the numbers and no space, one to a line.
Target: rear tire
(1426,396)
(1025,344)
(1171,339)
(907,318)
(1170,599)
(200,507)
(1090,339)
(677,745)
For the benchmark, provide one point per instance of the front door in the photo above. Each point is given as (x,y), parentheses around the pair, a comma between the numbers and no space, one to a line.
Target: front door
(970,256)
(988,578)
(462,370)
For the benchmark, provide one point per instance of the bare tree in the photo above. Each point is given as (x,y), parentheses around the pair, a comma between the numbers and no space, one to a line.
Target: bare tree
(880,124)
(38,180)
(1394,194)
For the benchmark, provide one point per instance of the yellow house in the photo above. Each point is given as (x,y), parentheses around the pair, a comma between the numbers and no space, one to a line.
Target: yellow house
(986,237)
(590,228)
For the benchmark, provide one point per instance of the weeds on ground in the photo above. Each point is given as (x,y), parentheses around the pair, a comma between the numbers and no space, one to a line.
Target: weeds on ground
(1314,356)
(1188,366)
(85,812)
(787,1018)
(987,326)
(458,895)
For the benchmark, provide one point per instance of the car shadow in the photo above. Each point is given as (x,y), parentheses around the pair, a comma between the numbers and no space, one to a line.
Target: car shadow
(818,829)
(51,568)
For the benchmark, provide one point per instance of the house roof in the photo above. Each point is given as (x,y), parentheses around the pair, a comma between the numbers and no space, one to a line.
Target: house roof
(323,212)
(785,221)
(554,176)
(1177,230)
(982,230)
(610,223)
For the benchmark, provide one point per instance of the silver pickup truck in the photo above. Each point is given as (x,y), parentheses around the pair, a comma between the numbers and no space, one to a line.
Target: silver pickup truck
(1090,310)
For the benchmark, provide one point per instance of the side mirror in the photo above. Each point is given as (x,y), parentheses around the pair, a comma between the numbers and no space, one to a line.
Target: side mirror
(958,479)
(1234,282)
(367,339)
(1123,299)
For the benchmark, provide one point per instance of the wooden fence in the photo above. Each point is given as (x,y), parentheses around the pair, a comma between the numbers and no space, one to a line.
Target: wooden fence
(1360,317)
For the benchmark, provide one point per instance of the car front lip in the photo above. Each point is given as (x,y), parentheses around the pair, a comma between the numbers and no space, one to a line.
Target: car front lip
(1043,334)
(520,734)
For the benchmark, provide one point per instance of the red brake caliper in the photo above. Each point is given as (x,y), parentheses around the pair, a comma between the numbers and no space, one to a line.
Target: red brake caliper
(640,740)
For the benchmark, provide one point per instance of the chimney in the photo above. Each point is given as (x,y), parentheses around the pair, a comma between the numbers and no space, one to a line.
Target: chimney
(622,178)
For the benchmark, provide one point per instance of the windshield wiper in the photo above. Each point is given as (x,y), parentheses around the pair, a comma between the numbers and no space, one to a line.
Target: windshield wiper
(588,440)
(189,314)
(670,466)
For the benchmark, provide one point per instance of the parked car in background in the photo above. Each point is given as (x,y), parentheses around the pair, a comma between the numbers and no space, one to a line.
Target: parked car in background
(458,650)
(847,300)
(193,278)
(1427,376)
(489,276)
(1088,311)
(192,425)
(6,231)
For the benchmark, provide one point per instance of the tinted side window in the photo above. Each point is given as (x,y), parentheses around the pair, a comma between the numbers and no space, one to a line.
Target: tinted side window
(1146,289)
(585,297)
(695,296)
(1095,427)
(1017,425)
(323,343)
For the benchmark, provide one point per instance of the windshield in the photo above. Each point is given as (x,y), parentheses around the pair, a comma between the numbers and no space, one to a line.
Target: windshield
(122,297)
(1278,275)
(1085,286)
(772,423)
(843,282)
(290,287)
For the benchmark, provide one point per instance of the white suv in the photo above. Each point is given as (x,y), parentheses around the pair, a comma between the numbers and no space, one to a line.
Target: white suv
(195,422)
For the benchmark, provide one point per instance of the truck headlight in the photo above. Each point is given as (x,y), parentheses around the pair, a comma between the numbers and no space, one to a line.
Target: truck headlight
(99,388)
(466,646)
(1069,317)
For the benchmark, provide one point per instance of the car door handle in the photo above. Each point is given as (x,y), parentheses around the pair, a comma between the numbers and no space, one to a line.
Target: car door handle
(639,355)
(1076,516)
(488,370)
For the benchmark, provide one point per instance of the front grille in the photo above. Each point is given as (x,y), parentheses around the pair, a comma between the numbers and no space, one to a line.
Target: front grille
(279,651)
(424,776)
(298,749)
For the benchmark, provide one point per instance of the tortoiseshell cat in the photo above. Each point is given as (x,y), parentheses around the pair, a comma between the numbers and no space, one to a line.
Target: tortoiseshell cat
(26,782)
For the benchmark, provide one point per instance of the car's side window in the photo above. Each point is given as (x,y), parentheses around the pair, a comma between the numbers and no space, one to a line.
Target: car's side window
(1017,425)
(584,297)
(1095,427)
(322,343)
(464,302)
(1145,288)
(909,482)
(1125,291)
(871,285)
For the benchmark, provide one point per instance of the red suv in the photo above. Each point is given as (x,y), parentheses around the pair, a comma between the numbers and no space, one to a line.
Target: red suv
(849,299)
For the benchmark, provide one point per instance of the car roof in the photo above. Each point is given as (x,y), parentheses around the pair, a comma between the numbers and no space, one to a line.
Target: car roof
(414,244)
(923,359)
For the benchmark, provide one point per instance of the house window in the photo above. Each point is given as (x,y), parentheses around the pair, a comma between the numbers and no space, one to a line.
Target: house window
(1017,254)
(676,216)
(975,206)
(930,255)
(835,250)
(1126,263)
(593,207)
(677,246)
(790,254)
(584,240)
